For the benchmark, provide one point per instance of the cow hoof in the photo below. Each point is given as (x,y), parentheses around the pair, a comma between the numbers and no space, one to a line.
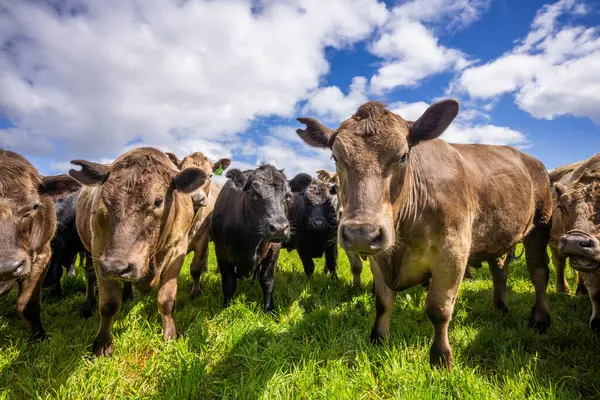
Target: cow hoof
(540,323)
(38,336)
(196,292)
(376,337)
(86,310)
(100,350)
(269,309)
(334,276)
(581,289)
(595,326)
(563,288)
(170,334)
(501,307)
(440,358)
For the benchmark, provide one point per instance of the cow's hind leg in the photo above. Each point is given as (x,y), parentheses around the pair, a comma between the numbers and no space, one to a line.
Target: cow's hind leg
(384,305)
(499,271)
(536,244)
(562,286)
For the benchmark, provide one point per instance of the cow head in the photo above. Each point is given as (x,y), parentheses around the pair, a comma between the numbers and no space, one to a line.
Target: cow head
(27,219)
(198,160)
(137,193)
(267,197)
(371,150)
(319,203)
(579,205)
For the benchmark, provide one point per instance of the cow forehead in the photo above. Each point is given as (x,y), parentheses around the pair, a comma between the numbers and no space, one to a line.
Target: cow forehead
(197,160)
(317,192)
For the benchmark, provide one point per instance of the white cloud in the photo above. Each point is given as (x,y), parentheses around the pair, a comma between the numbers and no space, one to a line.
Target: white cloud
(333,105)
(175,75)
(553,71)
(466,128)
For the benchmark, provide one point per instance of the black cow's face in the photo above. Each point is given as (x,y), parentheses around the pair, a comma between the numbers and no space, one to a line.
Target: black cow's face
(319,205)
(268,196)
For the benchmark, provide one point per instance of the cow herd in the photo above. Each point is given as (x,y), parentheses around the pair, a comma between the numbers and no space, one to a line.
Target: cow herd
(420,209)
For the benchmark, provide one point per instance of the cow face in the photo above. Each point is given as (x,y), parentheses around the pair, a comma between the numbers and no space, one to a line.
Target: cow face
(371,152)
(579,205)
(319,203)
(267,197)
(136,195)
(27,220)
(198,160)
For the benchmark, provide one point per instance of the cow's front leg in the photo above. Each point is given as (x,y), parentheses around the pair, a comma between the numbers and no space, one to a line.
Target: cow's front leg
(228,279)
(592,282)
(307,262)
(267,275)
(356,267)
(200,261)
(89,303)
(331,261)
(30,297)
(109,293)
(167,293)
(384,304)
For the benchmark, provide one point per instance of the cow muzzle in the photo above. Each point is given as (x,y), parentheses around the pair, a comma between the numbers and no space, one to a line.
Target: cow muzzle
(582,249)
(362,238)
(278,231)
(118,268)
(13,265)
(317,224)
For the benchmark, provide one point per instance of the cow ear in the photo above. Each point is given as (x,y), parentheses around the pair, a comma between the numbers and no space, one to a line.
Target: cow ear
(333,189)
(174,159)
(58,185)
(189,180)
(300,182)
(315,134)
(560,189)
(237,177)
(222,164)
(91,173)
(433,122)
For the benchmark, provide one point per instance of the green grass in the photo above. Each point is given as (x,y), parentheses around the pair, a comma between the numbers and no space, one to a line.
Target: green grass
(316,346)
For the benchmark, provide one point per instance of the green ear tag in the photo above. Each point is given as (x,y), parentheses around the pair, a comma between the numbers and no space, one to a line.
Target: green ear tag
(218,171)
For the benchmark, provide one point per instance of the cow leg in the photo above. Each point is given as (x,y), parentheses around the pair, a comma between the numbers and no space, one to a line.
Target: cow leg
(499,271)
(331,261)
(267,274)
(562,286)
(468,274)
(440,306)
(29,299)
(592,282)
(109,293)
(199,262)
(355,267)
(167,295)
(127,293)
(384,305)
(228,280)
(579,280)
(537,262)
(89,303)
(307,263)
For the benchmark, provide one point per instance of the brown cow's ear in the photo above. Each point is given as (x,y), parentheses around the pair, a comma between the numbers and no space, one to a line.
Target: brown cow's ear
(434,121)
(560,189)
(173,159)
(223,164)
(315,134)
(189,180)
(58,185)
(91,173)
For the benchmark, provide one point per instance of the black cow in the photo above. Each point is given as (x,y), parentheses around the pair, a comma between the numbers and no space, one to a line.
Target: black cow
(65,244)
(248,225)
(313,216)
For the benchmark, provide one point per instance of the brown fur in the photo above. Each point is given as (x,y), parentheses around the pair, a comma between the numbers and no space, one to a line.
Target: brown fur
(576,219)
(116,219)
(428,207)
(27,225)
(199,235)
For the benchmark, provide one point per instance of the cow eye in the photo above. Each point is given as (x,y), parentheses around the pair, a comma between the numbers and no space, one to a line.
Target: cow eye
(159,202)
(334,159)
(404,158)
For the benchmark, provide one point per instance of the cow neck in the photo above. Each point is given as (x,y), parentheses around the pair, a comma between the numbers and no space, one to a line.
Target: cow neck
(251,237)
(413,197)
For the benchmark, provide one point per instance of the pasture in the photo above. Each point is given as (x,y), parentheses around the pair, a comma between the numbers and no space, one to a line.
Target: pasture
(314,346)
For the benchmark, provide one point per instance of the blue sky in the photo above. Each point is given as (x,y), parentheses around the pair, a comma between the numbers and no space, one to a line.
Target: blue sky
(93,79)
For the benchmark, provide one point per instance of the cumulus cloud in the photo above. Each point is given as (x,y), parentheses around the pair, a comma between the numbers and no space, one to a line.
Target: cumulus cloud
(333,105)
(553,71)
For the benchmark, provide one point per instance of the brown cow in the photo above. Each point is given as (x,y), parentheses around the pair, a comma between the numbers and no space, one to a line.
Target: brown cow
(204,199)
(354,259)
(579,212)
(561,175)
(420,207)
(27,225)
(134,218)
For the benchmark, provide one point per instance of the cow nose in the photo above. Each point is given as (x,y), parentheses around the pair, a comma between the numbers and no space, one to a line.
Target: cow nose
(279,229)
(362,238)
(200,199)
(12,267)
(578,244)
(317,223)
(116,267)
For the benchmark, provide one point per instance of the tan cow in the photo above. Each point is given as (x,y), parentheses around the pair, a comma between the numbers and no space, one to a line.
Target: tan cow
(420,207)
(561,175)
(204,199)
(579,214)
(27,225)
(134,217)
(355,262)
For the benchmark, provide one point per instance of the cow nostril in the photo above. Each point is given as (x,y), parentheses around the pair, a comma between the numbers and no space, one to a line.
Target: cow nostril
(587,243)
(377,239)
(272,228)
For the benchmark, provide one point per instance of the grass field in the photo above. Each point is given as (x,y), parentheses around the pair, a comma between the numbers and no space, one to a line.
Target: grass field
(316,346)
